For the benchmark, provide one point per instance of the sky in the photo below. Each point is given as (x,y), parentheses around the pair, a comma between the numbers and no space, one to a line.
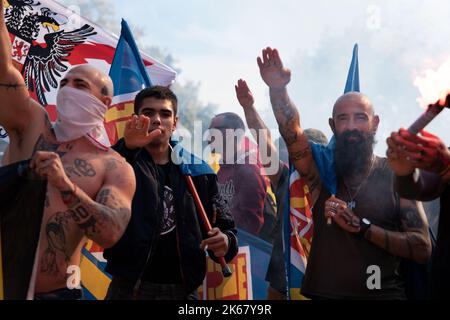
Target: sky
(217,43)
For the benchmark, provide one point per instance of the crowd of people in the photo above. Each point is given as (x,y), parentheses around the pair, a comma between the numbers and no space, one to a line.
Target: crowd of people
(132,198)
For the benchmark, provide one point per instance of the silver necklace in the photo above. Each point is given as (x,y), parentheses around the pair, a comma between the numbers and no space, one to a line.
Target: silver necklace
(351,204)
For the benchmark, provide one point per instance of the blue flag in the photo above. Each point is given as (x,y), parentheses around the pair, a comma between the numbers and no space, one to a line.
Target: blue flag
(128,71)
(190,164)
(353,75)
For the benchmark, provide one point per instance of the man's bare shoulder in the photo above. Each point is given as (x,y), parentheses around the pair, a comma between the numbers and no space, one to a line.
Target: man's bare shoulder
(35,135)
(114,162)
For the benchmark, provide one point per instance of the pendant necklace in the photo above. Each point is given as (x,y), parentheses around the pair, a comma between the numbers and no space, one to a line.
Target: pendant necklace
(351,204)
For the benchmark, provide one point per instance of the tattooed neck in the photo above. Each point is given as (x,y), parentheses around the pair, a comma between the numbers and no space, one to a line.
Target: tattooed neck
(12,86)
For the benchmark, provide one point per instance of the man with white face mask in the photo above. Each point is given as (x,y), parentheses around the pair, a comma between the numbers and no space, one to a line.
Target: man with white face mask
(89,186)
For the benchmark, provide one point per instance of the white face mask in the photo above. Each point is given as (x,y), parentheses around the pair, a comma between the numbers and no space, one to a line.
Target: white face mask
(80,114)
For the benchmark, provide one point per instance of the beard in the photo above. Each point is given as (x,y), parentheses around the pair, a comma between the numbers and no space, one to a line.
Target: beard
(354,150)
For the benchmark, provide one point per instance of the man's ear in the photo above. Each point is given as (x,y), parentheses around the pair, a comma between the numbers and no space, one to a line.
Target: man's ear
(175,121)
(332,125)
(375,123)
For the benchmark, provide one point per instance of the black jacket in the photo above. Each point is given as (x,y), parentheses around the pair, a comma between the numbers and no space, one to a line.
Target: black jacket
(130,256)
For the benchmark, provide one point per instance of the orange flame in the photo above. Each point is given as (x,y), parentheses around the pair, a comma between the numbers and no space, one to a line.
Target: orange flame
(434,85)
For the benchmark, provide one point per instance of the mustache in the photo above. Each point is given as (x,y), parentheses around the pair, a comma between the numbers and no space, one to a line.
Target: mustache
(346,135)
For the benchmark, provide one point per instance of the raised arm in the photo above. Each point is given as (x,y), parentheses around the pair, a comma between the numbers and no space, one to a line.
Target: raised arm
(14,97)
(277,78)
(23,118)
(259,130)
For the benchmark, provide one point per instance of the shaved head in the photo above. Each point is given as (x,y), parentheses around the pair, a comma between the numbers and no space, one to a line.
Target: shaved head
(97,77)
(353,98)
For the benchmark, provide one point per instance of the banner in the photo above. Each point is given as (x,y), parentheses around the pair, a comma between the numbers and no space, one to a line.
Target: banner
(49,39)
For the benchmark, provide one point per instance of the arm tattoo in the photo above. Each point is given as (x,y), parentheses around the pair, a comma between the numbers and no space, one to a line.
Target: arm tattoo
(287,117)
(42,143)
(112,164)
(411,218)
(289,135)
(103,196)
(12,86)
(96,218)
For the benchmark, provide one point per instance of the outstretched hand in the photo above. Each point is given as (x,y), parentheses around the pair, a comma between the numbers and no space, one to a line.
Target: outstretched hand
(272,71)
(244,95)
(424,151)
(137,133)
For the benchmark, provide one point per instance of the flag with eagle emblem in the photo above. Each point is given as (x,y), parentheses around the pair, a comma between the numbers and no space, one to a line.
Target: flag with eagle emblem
(48,39)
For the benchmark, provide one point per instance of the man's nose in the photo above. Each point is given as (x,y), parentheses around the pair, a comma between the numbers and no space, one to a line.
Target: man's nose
(351,124)
(156,119)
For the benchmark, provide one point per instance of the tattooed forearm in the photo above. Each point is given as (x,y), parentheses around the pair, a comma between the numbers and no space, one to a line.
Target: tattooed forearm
(286,114)
(103,196)
(289,135)
(411,245)
(99,222)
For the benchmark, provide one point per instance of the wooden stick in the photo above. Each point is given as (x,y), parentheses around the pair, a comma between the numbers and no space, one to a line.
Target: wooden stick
(226,270)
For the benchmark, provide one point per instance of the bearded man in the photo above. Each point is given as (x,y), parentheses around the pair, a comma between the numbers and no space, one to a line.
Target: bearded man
(362,232)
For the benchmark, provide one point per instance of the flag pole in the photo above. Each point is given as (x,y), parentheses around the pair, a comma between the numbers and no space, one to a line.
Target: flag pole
(226,270)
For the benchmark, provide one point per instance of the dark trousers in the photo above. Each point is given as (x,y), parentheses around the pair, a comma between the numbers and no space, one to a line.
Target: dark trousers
(122,289)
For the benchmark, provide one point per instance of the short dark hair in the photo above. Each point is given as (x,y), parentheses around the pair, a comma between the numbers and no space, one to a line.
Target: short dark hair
(159,93)
(232,120)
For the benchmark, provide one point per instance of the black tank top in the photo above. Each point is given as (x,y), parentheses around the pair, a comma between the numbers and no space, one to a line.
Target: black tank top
(339,261)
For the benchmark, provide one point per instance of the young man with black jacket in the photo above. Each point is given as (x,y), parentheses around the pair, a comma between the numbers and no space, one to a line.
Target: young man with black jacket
(162,253)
